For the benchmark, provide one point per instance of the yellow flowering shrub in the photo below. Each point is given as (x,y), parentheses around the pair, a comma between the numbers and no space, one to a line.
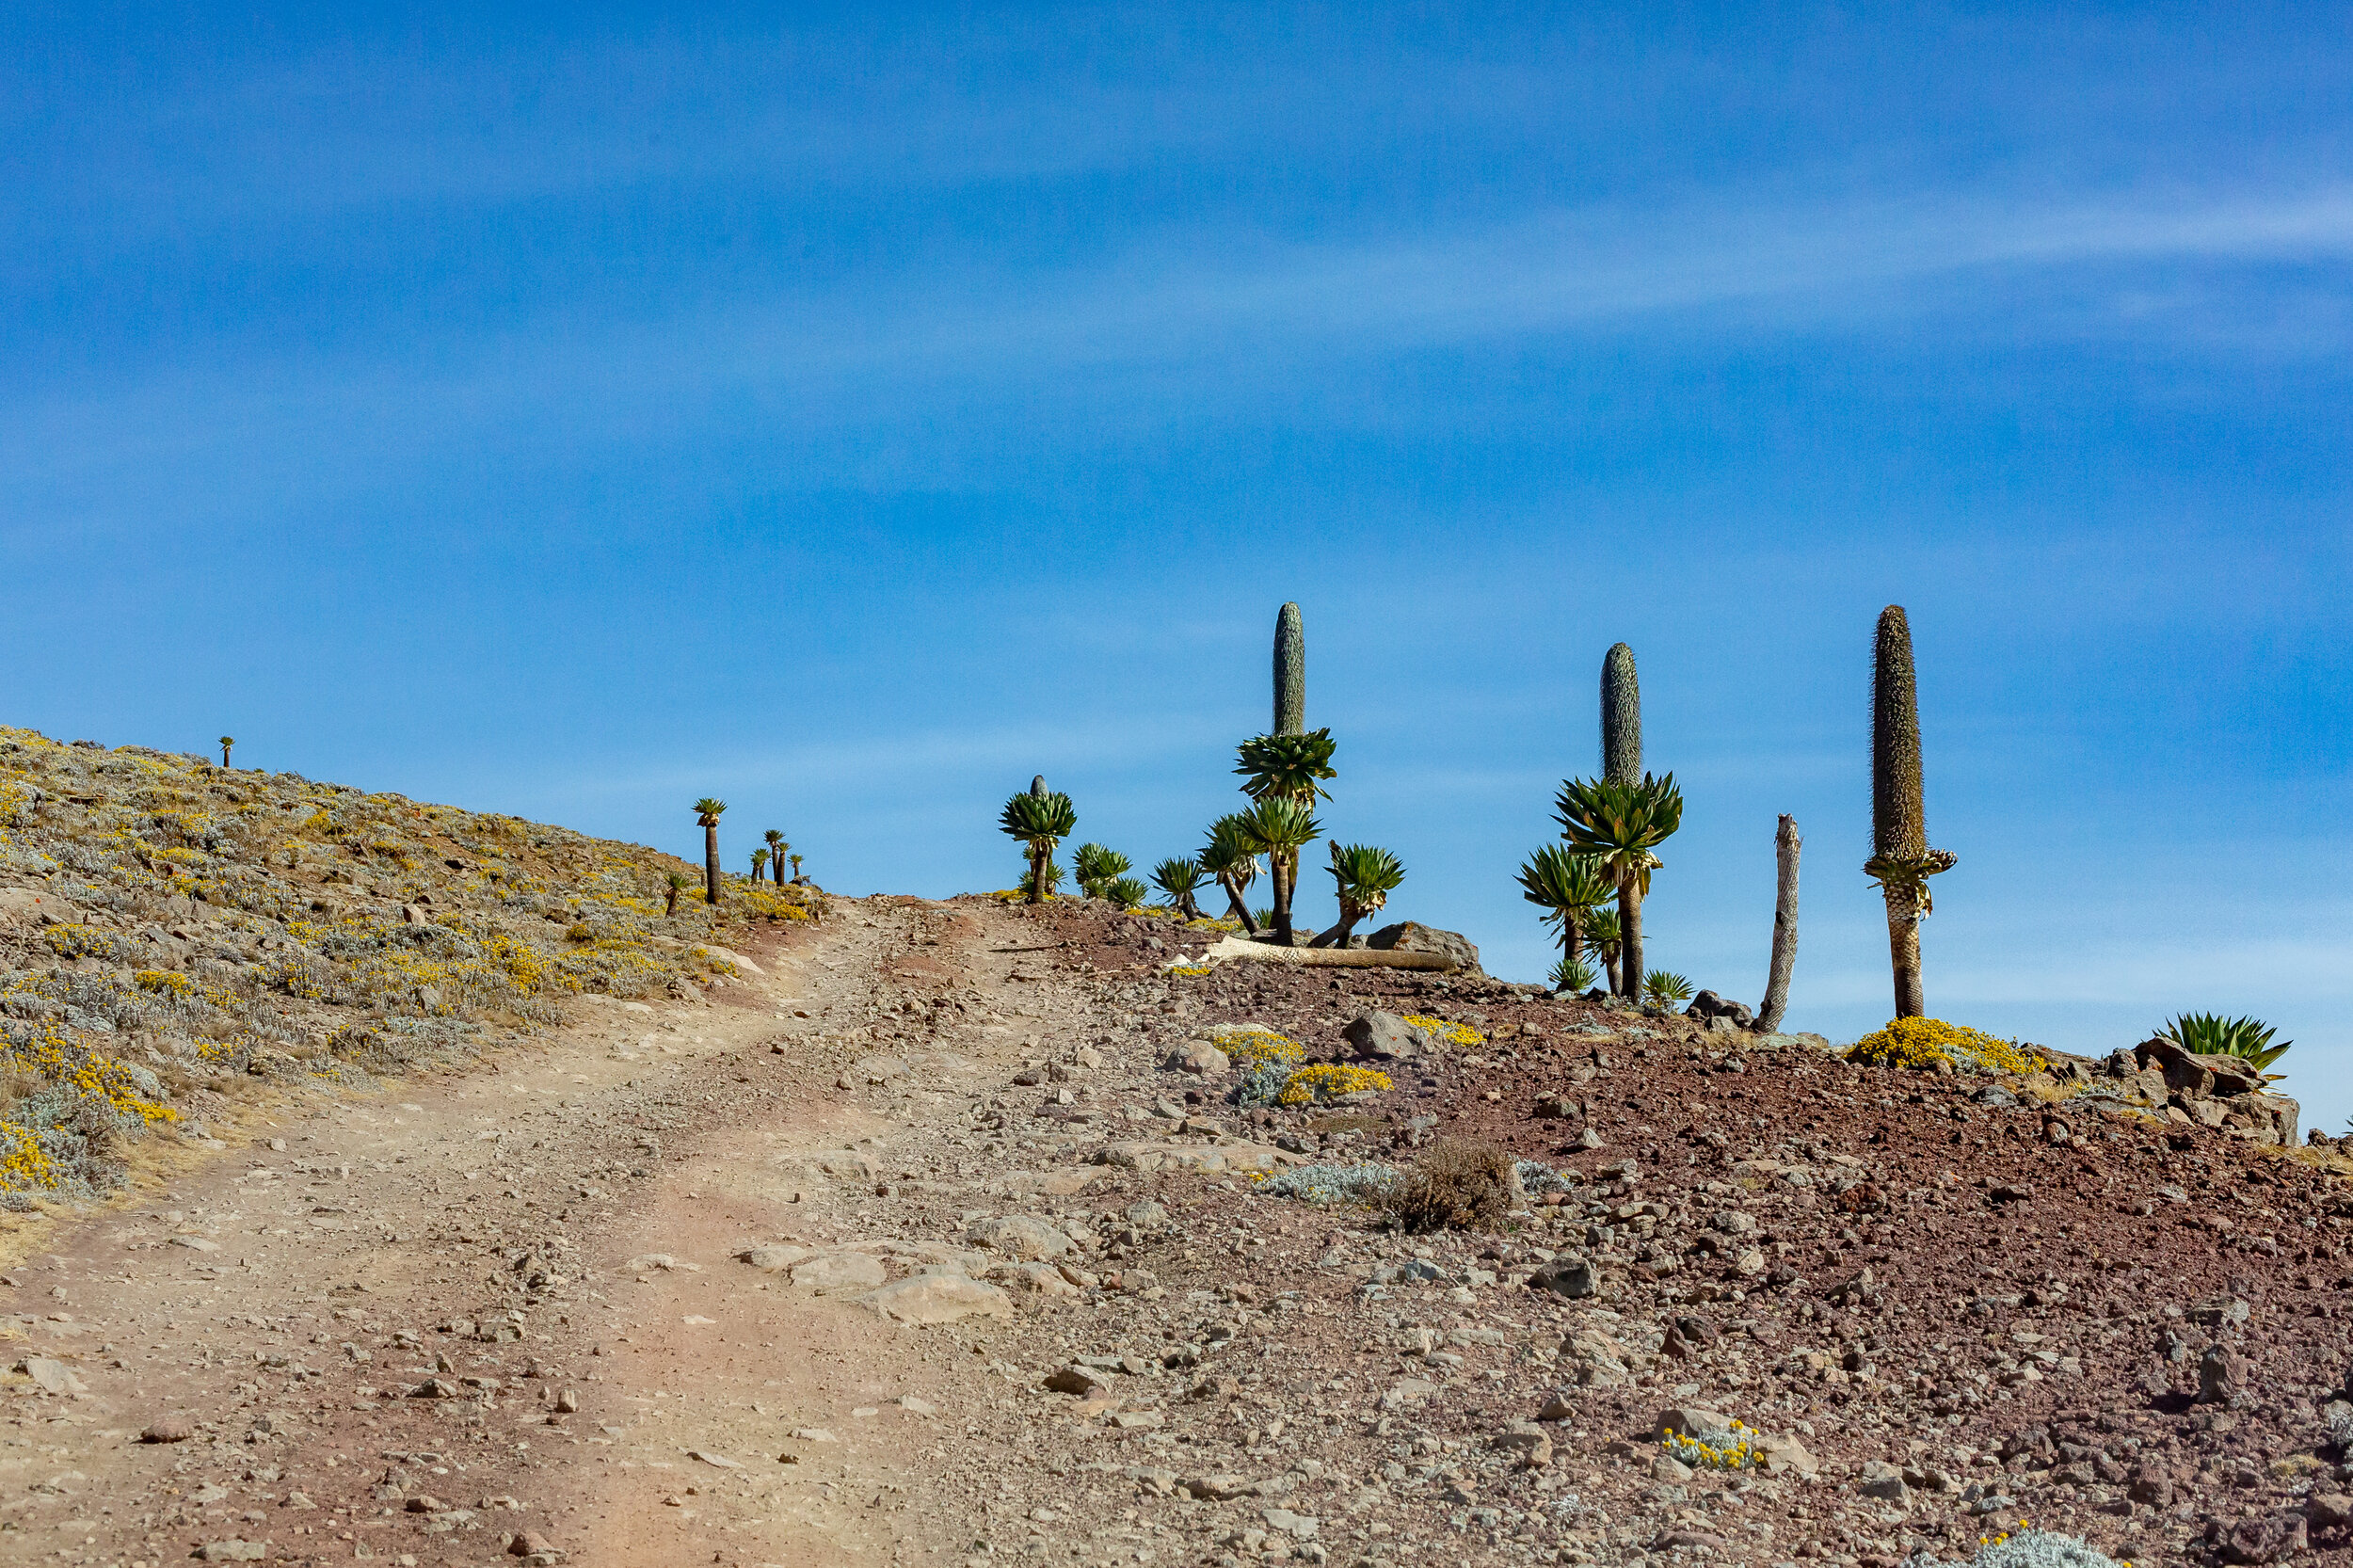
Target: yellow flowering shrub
(1921,1043)
(166,983)
(77,941)
(1187,971)
(1327,1080)
(1453,1034)
(25,1165)
(1253,1048)
(1736,1452)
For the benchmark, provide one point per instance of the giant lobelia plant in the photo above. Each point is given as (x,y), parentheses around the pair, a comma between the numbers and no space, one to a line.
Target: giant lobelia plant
(1287,769)
(1041,821)
(1567,886)
(1901,861)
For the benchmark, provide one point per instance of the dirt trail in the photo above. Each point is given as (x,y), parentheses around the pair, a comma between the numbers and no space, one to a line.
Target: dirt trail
(280,1300)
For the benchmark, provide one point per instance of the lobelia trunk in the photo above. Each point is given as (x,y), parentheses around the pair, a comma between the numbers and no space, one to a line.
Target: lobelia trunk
(1903,950)
(711,864)
(1785,847)
(1629,941)
(1037,875)
(669,902)
(1241,911)
(1284,937)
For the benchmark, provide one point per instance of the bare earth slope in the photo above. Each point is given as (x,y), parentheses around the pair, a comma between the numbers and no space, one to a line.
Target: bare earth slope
(633,1292)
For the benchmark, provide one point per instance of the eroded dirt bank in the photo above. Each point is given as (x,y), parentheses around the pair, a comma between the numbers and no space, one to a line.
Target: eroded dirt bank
(510,1311)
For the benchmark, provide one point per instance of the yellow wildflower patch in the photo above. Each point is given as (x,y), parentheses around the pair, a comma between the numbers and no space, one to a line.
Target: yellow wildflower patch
(1921,1043)
(1254,1047)
(1453,1034)
(1328,1081)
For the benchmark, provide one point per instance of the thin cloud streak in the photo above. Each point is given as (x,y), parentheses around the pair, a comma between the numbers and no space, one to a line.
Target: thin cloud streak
(1588,269)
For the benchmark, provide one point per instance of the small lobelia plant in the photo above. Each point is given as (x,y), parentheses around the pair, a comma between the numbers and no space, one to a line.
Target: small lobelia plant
(1620,825)
(226,742)
(759,865)
(1665,988)
(1231,857)
(1573,975)
(1568,888)
(2211,1034)
(1601,934)
(1098,868)
(1125,892)
(796,867)
(675,883)
(707,812)
(778,849)
(1179,877)
(1364,879)
(1041,821)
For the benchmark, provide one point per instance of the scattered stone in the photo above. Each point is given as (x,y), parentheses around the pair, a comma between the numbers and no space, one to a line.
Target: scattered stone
(833,1274)
(172,1428)
(233,1550)
(938,1298)
(1882,1480)
(1020,1235)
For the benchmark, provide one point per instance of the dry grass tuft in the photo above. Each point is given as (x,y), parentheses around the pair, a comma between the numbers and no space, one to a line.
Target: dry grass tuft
(1457,1184)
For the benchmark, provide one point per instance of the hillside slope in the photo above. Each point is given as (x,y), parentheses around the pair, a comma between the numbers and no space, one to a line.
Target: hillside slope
(172,931)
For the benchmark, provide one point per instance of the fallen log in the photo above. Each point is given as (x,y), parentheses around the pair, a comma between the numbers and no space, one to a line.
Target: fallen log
(1326,958)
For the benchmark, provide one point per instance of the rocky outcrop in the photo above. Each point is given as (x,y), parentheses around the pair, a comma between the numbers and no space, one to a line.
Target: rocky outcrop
(2226,1093)
(1412,936)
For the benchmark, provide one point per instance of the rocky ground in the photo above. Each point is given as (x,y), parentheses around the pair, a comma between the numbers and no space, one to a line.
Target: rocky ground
(909,1244)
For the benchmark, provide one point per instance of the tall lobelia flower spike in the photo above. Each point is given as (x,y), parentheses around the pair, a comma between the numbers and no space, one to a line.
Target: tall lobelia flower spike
(1291,673)
(1901,861)
(1621,717)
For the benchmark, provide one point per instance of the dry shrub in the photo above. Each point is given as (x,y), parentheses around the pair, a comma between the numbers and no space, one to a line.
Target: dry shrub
(1457,1184)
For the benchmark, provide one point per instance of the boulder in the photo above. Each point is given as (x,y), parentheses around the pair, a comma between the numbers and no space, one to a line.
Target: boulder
(1707,1007)
(839,1273)
(1574,1277)
(1017,1233)
(2187,1072)
(1412,936)
(1199,1057)
(940,1298)
(1382,1037)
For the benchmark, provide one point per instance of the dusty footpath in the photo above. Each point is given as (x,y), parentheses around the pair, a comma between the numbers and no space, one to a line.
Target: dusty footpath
(911,1246)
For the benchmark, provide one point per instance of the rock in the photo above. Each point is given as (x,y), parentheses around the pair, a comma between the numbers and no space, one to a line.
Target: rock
(1589,1138)
(1784,1456)
(436,1388)
(1573,1277)
(2329,1510)
(1199,1057)
(2222,1376)
(2152,1485)
(527,1542)
(1405,1393)
(775,1258)
(233,1551)
(2188,1073)
(1882,1480)
(1682,1420)
(172,1428)
(1020,1235)
(941,1298)
(1377,1036)
(1208,1159)
(1300,1527)
(717,1462)
(1666,1467)
(1708,1007)
(50,1375)
(1557,1407)
(1075,1380)
(651,1262)
(1412,936)
(1529,1442)
(422,1503)
(2272,1538)
(836,1273)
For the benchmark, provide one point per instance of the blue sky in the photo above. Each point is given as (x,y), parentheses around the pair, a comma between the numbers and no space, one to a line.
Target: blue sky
(574,410)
